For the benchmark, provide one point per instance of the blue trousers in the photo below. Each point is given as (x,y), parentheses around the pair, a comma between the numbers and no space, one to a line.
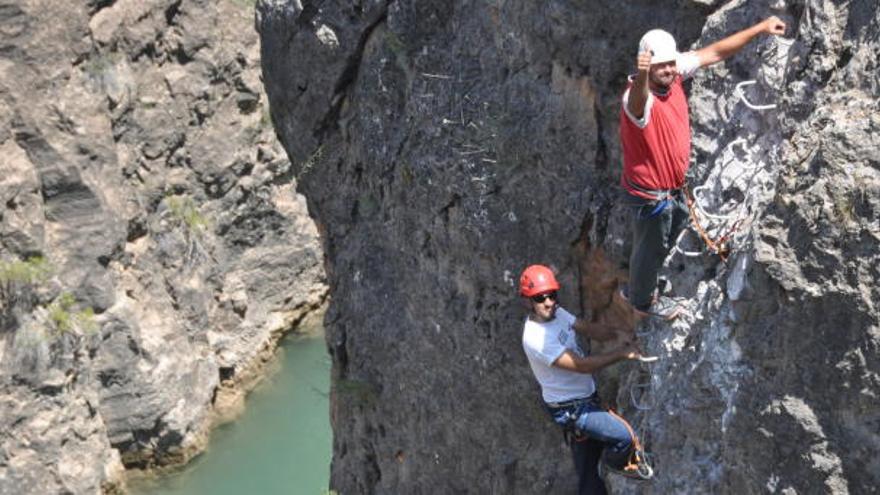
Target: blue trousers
(594,433)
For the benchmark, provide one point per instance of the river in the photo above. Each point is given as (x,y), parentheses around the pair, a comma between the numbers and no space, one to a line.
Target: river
(281,444)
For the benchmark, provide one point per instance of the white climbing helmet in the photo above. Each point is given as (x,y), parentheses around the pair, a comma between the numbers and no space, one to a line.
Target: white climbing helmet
(661,43)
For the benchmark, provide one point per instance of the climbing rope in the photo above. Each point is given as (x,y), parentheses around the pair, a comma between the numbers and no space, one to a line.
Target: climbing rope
(640,462)
(640,395)
(719,244)
(637,463)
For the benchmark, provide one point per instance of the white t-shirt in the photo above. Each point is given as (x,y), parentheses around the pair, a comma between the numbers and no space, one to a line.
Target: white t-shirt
(544,343)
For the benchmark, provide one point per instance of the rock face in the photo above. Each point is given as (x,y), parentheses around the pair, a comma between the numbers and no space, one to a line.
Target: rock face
(152,247)
(443,146)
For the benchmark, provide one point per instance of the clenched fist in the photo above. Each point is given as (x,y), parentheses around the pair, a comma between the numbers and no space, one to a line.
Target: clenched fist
(774,25)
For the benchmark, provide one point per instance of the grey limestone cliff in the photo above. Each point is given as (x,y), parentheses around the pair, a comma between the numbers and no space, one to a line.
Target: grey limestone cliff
(152,247)
(445,145)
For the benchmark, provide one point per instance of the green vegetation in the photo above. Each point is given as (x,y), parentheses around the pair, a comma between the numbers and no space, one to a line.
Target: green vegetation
(309,162)
(395,44)
(95,67)
(31,271)
(63,318)
(407,174)
(398,47)
(100,69)
(253,129)
(265,118)
(367,206)
(844,206)
(18,279)
(194,224)
(185,211)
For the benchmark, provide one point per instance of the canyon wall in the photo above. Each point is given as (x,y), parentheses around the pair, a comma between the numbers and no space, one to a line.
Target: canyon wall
(443,146)
(152,246)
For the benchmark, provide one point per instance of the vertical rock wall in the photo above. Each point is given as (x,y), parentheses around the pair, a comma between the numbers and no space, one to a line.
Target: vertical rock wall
(443,146)
(137,160)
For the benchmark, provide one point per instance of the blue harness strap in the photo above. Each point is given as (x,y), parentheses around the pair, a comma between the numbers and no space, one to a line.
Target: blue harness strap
(661,205)
(663,197)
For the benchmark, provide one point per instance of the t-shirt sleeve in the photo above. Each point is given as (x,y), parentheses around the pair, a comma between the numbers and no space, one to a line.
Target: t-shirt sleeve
(543,347)
(566,316)
(642,122)
(687,64)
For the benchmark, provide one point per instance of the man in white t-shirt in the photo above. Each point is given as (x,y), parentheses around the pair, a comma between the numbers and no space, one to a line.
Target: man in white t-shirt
(564,372)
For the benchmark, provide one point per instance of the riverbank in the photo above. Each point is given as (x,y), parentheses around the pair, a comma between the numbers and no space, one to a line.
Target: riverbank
(280,444)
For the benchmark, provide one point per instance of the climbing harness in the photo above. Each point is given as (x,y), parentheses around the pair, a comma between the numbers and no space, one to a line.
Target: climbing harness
(568,418)
(662,197)
(637,465)
(658,209)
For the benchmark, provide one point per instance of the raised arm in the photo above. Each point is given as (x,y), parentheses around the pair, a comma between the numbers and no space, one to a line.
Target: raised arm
(729,46)
(638,94)
(594,362)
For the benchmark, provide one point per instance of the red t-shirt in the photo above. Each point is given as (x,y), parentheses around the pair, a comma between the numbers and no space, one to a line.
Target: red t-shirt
(657,156)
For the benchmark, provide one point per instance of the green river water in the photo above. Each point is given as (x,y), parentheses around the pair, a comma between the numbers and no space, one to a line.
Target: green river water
(282,443)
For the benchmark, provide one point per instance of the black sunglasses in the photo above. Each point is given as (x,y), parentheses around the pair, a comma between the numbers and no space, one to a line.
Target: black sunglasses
(543,297)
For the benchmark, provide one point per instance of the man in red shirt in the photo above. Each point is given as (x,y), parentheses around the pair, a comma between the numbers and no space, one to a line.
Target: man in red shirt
(655,135)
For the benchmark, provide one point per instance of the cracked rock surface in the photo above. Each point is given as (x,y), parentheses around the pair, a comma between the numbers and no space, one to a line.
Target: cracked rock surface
(153,248)
(443,146)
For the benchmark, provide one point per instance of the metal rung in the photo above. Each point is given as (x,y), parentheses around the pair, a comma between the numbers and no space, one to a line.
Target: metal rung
(678,249)
(742,96)
(645,388)
(697,191)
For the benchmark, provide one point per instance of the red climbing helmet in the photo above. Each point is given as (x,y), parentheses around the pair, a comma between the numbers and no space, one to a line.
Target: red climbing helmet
(537,279)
